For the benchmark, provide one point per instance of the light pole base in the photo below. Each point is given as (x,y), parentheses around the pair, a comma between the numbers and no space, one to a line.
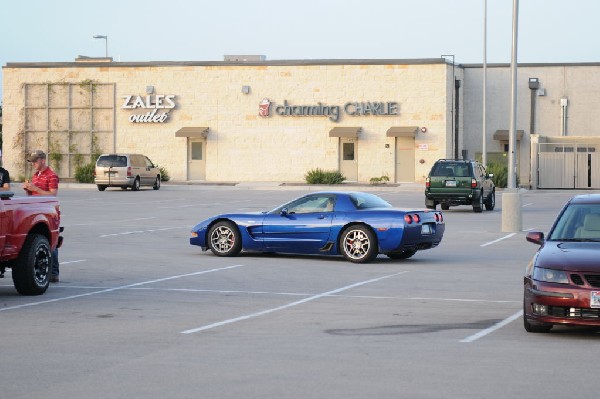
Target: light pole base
(511,211)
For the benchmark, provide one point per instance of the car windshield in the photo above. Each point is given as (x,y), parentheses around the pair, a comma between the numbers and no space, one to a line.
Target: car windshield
(112,160)
(366,201)
(458,169)
(578,222)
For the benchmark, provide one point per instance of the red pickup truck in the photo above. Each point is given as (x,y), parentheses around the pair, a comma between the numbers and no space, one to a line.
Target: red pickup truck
(29,232)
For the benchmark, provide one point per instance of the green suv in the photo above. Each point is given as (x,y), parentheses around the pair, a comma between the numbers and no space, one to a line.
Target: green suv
(455,182)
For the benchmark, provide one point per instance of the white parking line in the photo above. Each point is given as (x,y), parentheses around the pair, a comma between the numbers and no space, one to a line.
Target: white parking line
(498,240)
(143,231)
(123,287)
(289,305)
(493,328)
(110,221)
(73,261)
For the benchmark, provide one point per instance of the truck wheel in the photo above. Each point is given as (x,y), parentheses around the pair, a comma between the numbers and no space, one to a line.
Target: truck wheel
(445,207)
(101,187)
(31,271)
(478,204)
(136,184)
(490,203)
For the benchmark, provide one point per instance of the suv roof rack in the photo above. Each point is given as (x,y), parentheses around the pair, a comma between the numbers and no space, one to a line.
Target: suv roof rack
(456,160)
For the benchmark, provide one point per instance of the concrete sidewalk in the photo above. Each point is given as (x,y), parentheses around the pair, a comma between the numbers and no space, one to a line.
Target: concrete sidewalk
(270,186)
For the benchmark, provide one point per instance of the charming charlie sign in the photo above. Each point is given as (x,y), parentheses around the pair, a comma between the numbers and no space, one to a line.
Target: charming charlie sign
(158,107)
(333,112)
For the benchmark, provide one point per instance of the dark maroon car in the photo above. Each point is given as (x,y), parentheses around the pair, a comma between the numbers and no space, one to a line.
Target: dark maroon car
(562,282)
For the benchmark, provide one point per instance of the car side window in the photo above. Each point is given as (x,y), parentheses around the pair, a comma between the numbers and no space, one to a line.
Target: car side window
(148,162)
(311,204)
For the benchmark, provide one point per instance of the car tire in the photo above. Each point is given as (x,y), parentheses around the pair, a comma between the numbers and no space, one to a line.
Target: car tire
(358,244)
(534,328)
(136,184)
(224,239)
(490,203)
(445,207)
(401,255)
(31,271)
(101,187)
(478,205)
(156,185)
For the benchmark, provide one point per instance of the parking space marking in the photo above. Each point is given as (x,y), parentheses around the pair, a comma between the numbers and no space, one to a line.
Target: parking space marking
(110,221)
(305,294)
(73,261)
(123,287)
(289,305)
(493,328)
(143,231)
(498,240)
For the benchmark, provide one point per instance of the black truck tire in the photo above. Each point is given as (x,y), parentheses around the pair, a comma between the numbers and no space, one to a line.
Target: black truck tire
(31,271)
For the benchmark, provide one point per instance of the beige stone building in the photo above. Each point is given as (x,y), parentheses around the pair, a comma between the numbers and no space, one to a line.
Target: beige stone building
(258,120)
(235,121)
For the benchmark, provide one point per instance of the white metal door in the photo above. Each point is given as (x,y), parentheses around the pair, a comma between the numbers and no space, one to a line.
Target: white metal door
(348,159)
(405,159)
(196,159)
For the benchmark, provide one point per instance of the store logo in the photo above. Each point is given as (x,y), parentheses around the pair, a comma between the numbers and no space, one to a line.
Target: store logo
(264,107)
(152,103)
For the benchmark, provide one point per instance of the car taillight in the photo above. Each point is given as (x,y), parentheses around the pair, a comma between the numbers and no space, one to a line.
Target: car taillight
(428,182)
(129,171)
(439,217)
(416,218)
(473,183)
(408,219)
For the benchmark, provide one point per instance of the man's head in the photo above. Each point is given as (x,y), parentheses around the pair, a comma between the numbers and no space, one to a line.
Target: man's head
(38,159)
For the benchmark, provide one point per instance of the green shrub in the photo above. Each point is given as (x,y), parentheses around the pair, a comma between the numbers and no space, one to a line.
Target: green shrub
(164,175)
(319,176)
(500,173)
(85,173)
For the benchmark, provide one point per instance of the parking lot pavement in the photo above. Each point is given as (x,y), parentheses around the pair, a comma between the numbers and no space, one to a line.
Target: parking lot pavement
(141,313)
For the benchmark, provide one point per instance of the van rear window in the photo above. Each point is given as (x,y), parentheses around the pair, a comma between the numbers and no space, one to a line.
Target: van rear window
(112,160)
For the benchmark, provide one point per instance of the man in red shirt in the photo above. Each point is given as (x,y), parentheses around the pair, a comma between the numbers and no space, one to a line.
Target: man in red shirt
(43,182)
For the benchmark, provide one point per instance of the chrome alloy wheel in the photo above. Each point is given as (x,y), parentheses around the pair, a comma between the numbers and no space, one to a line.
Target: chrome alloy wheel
(222,239)
(356,244)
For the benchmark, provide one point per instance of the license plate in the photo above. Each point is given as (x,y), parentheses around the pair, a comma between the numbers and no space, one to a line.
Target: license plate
(595,299)
(450,183)
(426,229)
(110,173)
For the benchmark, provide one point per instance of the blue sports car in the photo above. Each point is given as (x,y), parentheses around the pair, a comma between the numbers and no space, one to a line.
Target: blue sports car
(359,226)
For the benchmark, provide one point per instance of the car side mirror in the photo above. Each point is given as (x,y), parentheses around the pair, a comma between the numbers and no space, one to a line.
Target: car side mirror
(536,237)
(284,212)
(490,175)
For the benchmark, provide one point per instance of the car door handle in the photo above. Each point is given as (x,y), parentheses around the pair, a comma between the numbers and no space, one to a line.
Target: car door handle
(322,216)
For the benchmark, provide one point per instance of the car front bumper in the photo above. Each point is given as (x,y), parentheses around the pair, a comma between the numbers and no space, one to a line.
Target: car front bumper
(546,303)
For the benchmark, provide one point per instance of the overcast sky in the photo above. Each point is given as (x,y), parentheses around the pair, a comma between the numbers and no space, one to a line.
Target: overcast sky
(178,30)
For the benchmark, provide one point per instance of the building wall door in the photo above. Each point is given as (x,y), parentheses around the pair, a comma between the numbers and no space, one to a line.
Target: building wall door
(405,159)
(196,159)
(348,159)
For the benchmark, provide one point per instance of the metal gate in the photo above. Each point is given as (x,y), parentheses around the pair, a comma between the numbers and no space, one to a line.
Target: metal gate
(568,165)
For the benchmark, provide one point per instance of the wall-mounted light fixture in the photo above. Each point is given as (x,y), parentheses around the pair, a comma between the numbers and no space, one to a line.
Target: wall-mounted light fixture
(149,89)
(423,129)
(246,89)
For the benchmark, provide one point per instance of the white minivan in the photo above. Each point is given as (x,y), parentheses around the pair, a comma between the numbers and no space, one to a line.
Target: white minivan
(126,170)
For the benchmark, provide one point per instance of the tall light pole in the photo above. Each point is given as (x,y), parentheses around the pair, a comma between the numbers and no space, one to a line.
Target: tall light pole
(105,44)
(452,106)
(511,199)
(483,120)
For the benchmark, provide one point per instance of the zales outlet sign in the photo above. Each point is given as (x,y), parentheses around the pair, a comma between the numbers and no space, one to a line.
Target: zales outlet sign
(157,106)
(333,112)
